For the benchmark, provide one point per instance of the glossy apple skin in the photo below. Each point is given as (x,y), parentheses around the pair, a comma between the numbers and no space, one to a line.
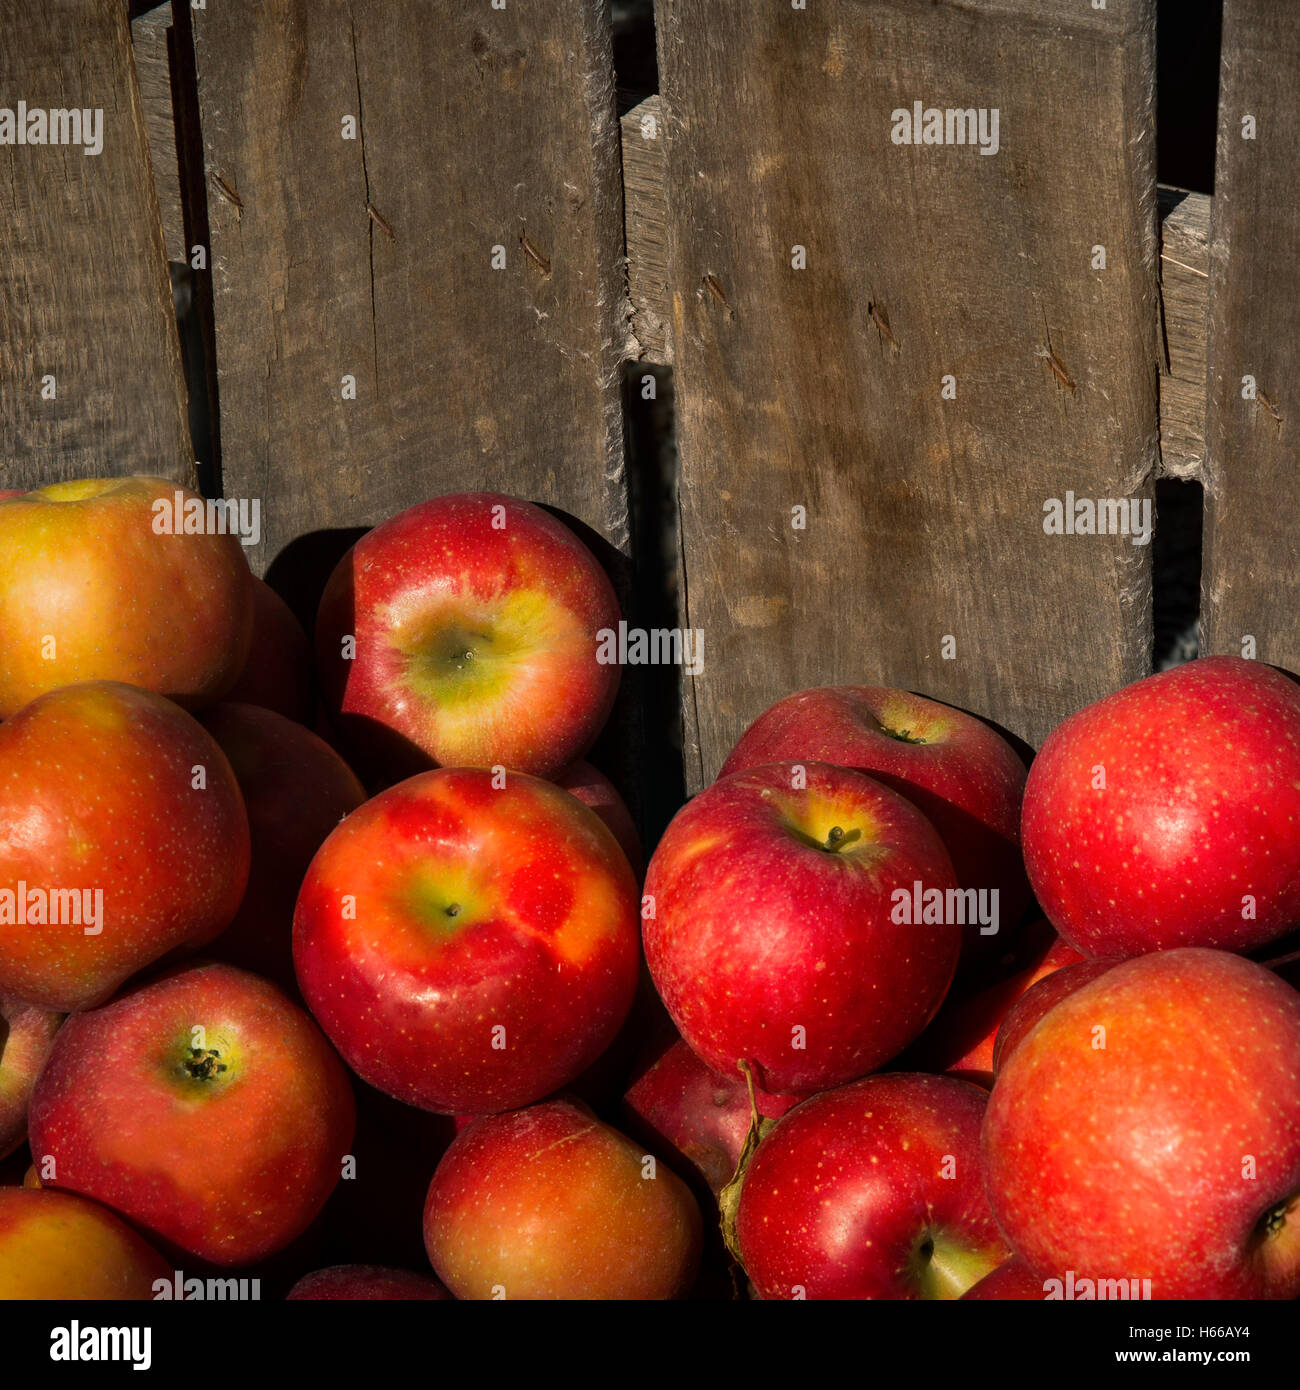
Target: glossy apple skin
(697,1116)
(366,1282)
(1201,807)
(549,1203)
(278,672)
(227,1167)
(594,789)
(960,1040)
(97,792)
(475,646)
(476,908)
(1010,1282)
(1041,999)
(845,1193)
(296,789)
(54,1245)
(966,778)
(758,931)
(81,562)
(1127,1161)
(26,1036)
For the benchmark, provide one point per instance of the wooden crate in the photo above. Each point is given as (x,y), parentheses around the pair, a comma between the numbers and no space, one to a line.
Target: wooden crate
(813,285)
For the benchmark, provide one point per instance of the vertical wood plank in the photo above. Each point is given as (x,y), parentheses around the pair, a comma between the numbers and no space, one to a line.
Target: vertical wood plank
(84,291)
(372,258)
(149,41)
(1251,586)
(821,388)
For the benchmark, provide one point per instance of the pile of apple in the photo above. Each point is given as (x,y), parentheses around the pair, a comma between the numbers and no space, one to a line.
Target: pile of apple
(307,952)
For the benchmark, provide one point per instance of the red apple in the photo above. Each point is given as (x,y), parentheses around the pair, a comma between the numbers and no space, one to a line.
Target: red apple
(1149,1128)
(120,818)
(464,632)
(699,1116)
(965,777)
(203,1106)
(959,1042)
(594,789)
(296,789)
(26,1036)
(90,590)
(278,672)
(1010,1282)
(366,1282)
(549,1203)
(57,1246)
(469,941)
(873,1190)
(1166,814)
(778,925)
(1045,995)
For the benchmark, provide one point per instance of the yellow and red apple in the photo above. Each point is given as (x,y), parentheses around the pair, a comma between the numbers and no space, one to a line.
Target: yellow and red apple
(464,632)
(91,589)
(469,940)
(122,837)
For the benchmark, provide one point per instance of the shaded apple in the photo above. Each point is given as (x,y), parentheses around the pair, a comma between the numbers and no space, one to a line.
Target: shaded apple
(469,941)
(960,1039)
(777,924)
(594,789)
(296,789)
(549,1203)
(965,777)
(91,590)
(1040,1000)
(1149,1128)
(873,1190)
(278,672)
(122,827)
(57,1246)
(26,1036)
(1165,814)
(201,1105)
(465,631)
(695,1116)
(366,1282)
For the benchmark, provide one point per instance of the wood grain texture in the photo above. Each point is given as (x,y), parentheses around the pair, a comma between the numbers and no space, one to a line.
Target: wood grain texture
(1184,316)
(371,257)
(1184,289)
(153,69)
(645,214)
(821,387)
(1251,583)
(84,291)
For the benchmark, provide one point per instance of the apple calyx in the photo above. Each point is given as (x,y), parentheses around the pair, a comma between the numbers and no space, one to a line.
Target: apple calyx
(204,1064)
(729,1196)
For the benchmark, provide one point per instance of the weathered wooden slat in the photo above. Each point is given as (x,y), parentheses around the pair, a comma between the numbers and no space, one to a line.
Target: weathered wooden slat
(371,258)
(1251,583)
(1184,287)
(153,69)
(645,223)
(1184,310)
(924,561)
(84,293)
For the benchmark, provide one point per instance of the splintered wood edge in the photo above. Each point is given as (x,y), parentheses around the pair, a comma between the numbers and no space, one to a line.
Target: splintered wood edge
(153,69)
(1184,282)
